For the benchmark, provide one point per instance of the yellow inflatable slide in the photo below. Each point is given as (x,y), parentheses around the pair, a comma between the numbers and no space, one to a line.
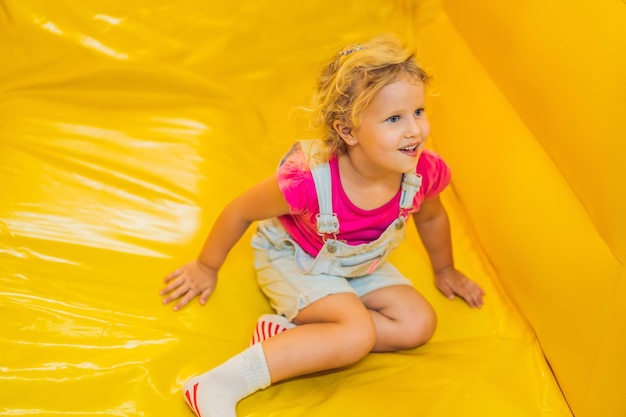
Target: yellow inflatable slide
(125,126)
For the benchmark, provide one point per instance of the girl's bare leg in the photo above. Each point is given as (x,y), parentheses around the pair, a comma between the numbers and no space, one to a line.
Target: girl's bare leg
(402,316)
(334,331)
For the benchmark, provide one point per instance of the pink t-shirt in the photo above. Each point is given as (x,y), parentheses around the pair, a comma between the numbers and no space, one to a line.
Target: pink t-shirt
(356,226)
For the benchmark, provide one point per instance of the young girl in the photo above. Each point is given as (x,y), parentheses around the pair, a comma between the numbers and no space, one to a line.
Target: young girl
(328,219)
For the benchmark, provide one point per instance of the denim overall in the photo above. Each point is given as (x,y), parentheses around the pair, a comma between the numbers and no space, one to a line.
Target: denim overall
(351,261)
(285,271)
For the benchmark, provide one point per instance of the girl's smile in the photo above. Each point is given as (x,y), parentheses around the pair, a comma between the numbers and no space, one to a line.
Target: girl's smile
(393,130)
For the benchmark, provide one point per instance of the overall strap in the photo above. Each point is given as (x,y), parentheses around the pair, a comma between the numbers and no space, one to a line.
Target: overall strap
(327,221)
(411,184)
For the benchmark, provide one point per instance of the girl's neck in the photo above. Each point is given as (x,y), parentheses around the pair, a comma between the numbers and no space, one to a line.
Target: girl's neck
(367,189)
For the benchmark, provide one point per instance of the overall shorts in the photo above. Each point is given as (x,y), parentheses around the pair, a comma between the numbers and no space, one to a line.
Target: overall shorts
(292,279)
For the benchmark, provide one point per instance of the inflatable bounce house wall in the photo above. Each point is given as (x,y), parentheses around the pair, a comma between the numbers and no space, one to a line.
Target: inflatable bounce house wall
(125,126)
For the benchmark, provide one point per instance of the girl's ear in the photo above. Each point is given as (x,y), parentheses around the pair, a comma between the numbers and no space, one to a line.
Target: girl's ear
(344,131)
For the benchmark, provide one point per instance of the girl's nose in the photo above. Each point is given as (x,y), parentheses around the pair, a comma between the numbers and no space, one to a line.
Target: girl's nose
(413,130)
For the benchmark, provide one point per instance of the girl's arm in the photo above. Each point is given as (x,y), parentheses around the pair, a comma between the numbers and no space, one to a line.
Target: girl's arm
(433,228)
(199,277)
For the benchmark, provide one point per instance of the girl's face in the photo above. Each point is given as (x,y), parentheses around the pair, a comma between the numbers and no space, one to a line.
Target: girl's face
(394,127)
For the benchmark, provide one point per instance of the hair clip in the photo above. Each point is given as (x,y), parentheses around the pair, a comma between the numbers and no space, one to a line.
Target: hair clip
(349,51)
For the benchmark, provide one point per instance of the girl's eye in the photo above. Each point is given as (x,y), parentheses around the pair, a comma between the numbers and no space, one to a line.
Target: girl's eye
(419,112)
(394,119)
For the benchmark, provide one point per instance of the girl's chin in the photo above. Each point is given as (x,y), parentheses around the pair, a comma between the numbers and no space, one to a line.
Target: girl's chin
(413,157)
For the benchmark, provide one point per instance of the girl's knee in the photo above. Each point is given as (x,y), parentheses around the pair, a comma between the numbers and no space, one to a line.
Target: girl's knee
(363,335)
(357,336)
(350,325)
(420,328)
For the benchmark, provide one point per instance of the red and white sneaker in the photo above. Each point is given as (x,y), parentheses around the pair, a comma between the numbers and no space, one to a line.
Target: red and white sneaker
(269,325)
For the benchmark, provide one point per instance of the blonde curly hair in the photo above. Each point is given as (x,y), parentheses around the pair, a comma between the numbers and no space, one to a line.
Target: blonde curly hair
(348,83)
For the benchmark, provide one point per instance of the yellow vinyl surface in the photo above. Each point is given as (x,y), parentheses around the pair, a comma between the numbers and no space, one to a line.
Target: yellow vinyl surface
(125,127)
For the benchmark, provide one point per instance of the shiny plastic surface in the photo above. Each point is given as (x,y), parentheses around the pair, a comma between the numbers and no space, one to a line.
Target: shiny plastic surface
(124,128)
(544,143)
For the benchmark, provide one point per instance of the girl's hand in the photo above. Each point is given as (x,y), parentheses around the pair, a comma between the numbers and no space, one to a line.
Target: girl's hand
(188,282)
(450,282)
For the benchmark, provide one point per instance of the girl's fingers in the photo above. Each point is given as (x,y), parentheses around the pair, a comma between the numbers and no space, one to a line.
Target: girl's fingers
(472,296)
(447,291)
(463,287)
(188,282)
(185,300)
(179,292)
(175,293)
(476,296)
(205,295)
(172,286)
(471,293)
(174,274)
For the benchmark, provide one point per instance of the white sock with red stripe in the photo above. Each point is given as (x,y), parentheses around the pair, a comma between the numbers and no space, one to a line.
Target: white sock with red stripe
(217,392)
(269,325)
